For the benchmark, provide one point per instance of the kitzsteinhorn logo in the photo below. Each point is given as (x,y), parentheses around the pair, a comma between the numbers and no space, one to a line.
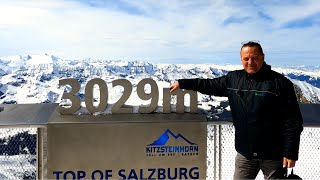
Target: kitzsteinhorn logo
(261,94)
(160,148)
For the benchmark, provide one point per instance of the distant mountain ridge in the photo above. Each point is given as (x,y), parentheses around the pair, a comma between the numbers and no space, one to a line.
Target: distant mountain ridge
(35,78)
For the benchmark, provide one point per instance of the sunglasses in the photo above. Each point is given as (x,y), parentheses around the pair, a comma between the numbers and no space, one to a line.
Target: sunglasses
(250,42)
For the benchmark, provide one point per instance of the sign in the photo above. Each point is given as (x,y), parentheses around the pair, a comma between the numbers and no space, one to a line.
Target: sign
(121,150)
(118,107)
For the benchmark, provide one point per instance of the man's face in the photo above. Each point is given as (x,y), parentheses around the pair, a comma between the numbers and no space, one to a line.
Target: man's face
(251,59)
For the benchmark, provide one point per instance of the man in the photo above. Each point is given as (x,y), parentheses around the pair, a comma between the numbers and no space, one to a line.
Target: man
(265,112)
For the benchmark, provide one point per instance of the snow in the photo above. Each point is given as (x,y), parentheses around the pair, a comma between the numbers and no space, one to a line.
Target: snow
(35,79)
(40,59)
(15,167)
(311,73)
(309,91)
(8,132)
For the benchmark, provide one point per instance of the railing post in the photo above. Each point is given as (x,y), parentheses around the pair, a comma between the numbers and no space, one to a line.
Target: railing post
(40,157)
(220,152)
(215,152)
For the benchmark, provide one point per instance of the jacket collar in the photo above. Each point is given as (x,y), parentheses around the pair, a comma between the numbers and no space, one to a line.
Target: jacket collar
(262,73)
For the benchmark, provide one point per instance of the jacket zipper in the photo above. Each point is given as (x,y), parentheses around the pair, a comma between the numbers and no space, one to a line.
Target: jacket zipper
(247,111)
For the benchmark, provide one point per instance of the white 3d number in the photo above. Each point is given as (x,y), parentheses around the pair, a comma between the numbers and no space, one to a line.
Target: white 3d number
(70,95)
(119,106)
(89,95)
(154,95)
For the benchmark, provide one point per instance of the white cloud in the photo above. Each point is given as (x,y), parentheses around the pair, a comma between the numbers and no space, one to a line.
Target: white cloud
(289,12)
(164,30)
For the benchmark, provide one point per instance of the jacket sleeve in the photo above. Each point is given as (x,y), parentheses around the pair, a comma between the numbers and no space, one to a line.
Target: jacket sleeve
(216,86)
(292,124)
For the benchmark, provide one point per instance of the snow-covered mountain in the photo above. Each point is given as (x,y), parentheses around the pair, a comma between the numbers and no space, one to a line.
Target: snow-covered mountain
(35,78)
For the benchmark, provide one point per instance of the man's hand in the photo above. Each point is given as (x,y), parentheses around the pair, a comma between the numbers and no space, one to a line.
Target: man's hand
(288,162)
(174,86)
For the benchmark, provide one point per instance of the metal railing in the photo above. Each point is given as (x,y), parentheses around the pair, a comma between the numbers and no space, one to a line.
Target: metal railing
(21,135)
(18,153)
(221,152)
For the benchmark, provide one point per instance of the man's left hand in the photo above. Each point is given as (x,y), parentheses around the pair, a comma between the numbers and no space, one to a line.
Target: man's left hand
(288,162)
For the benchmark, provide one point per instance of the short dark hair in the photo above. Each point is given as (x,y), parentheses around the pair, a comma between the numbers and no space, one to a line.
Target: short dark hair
(252,44)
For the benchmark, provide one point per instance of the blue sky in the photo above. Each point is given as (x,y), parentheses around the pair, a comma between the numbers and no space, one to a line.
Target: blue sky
(162,31)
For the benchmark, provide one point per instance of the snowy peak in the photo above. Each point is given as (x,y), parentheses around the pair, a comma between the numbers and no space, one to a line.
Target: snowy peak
(11,58)
(20,60)
(40,63)
(35,78)
(306,93)
(41,59)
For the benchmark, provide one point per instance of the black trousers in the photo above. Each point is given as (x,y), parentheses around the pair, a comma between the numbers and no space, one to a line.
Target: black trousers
(249,169)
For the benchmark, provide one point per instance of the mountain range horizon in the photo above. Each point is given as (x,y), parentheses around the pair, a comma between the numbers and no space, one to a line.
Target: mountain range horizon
(35,78)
